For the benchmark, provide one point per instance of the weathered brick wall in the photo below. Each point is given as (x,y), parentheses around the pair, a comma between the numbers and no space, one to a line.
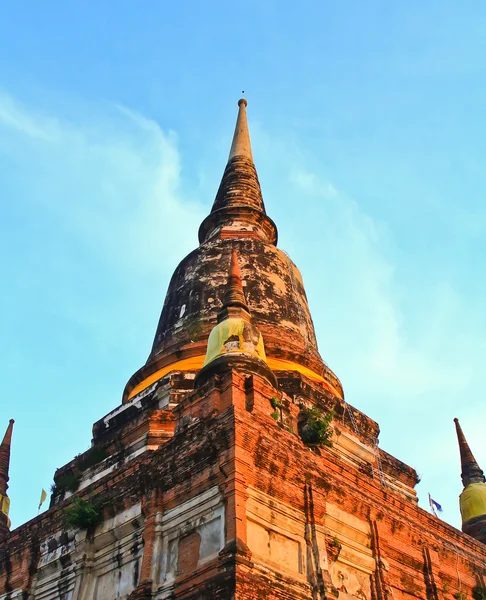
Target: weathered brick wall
(295,522)
(403,537)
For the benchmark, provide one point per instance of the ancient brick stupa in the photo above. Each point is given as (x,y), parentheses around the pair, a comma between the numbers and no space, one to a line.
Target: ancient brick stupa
(234,468)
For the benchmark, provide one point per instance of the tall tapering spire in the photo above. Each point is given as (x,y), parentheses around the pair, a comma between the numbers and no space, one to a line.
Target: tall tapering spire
(5,458)
(4,467)
(241,145)
(238,210)
(470,471)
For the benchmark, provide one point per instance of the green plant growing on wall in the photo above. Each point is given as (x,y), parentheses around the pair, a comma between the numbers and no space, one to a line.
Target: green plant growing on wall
(460,596)
(479,592)
(83,514)
(90,458)
(334,548)
(276,405)
(67,482)
(316,427)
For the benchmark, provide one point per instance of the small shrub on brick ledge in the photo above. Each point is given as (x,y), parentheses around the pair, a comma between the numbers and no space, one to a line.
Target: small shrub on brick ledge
(479,592)
(334,548)
(68,482)
(276,405)
(83,514)
(90,458)
(316,427)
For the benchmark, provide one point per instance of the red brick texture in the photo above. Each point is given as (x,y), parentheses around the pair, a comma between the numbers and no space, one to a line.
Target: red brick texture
(225,437)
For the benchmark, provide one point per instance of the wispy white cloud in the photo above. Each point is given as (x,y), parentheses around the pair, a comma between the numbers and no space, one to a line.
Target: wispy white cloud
(113,179)
(14,117)
(94,221)
(362,286)
(409,364)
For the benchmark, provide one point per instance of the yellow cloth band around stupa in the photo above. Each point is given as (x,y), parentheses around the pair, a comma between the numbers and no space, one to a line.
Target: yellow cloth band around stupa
(195,363)
(472,501)
(230,329)
(5,506)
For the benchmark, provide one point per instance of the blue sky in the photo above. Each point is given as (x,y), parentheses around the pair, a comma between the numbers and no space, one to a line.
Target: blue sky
(367,122)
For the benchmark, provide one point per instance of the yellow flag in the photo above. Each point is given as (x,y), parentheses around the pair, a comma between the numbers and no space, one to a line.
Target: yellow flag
(42,498)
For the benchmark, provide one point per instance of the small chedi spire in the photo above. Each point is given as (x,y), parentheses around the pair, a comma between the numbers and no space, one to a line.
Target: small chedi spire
(4,468)
(234,298)
(472,500)
(238,208)
(470,471)
(235,341)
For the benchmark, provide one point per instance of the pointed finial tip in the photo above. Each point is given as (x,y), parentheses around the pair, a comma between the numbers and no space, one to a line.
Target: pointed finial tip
(242,101)
(456,420)
(12,421)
